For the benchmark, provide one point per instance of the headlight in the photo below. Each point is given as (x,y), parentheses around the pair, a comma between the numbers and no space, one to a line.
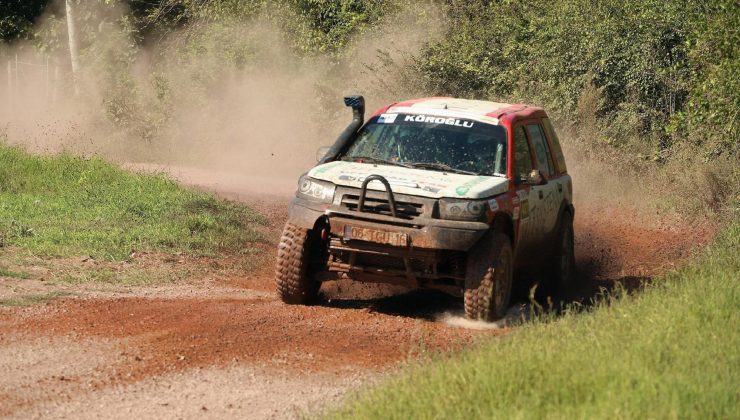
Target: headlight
(466,210)
(314,190)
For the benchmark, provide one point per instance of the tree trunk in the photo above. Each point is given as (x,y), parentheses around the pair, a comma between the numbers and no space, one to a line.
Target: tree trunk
(73,45)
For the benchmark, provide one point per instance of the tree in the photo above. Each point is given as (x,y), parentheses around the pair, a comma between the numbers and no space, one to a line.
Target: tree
(73,44)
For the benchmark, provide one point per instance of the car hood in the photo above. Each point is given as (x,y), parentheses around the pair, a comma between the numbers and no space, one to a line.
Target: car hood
(421,182)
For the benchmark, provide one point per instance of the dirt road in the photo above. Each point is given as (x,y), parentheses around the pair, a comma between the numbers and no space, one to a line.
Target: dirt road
(228,347)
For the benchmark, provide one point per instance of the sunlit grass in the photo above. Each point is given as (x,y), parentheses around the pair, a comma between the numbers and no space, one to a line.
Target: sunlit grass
(668,352)
(64,206)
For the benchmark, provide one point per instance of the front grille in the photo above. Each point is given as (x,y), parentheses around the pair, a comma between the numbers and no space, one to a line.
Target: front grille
(404,210)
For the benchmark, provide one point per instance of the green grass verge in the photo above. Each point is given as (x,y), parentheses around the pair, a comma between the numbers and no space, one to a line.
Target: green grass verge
(14,274)
(672,351)
(65,206)
(30,300)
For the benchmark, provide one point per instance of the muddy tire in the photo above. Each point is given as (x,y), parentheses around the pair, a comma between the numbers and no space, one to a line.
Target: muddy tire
(488,278)
(563,263)
(295,284)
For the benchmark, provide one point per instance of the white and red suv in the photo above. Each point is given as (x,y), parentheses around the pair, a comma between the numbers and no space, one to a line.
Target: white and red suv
(454,194)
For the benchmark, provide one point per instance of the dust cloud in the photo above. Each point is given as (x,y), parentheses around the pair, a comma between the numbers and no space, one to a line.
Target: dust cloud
(178,102)
(516,315)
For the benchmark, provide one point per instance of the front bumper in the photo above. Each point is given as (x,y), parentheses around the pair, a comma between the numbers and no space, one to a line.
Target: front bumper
(422,232)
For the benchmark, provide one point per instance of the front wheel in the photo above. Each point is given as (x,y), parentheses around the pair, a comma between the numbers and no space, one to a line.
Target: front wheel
(293,277)
(488,278)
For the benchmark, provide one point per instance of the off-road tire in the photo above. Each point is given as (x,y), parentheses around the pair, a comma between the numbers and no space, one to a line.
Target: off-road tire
(562,266)
(488,278)
(295,284)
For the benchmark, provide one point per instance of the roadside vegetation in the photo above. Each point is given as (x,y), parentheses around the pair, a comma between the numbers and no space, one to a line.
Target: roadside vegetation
(66,207)
(670,351)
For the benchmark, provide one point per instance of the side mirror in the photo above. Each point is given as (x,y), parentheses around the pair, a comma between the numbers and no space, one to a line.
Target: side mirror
(321,152)
(536,178)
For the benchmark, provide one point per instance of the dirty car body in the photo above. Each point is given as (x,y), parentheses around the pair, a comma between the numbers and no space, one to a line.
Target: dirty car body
(414,194)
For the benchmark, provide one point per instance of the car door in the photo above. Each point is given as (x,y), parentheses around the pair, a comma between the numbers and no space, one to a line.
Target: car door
(562,179)
(544,199)
(523,165)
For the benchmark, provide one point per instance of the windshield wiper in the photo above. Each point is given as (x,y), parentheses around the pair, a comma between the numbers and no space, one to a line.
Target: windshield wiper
(369,159)
(441,167)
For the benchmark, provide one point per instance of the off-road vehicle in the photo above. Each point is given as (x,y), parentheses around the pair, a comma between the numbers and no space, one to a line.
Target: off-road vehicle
(454,194)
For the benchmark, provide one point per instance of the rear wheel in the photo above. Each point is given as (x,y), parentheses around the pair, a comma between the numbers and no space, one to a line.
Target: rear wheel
(488,278)
(294,277)
(563,263)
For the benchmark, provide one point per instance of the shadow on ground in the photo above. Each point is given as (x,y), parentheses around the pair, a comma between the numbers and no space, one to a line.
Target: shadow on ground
(427,304)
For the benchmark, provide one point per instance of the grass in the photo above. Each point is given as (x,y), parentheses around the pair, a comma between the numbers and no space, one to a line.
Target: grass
(14,274)
(30,300)
(65,206)
(670,352)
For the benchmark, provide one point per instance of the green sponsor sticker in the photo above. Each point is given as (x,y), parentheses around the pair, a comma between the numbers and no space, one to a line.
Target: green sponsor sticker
(464,188)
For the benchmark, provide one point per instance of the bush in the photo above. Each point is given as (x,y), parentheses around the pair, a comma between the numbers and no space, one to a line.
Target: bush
(655,64)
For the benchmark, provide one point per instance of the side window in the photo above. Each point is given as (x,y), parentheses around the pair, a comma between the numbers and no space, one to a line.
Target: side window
(522,154)
(556,150)
(541,151)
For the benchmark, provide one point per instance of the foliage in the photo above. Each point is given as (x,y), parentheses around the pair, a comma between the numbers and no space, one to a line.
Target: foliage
(316,25)
(332,23)
(70,206)
(710,118)
(669,352)
(664,72)
(17,18)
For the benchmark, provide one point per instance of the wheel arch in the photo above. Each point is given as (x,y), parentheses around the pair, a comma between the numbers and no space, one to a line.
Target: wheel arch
(502,222)
(566,208)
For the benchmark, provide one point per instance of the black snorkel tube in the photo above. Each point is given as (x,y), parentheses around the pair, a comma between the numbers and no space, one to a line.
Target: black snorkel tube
(357,103)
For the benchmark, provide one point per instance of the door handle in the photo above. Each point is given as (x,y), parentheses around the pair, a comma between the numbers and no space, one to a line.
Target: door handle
(540,193)
(560,187)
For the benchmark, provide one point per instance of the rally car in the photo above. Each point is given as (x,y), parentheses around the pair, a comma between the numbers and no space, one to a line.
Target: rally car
(459,195)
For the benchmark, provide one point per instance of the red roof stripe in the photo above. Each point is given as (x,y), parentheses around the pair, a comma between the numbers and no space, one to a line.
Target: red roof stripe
(503,111)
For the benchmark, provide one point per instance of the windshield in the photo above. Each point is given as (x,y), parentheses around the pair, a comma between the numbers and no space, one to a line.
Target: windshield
(430,142)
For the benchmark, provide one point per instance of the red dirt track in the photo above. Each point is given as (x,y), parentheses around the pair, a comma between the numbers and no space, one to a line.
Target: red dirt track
(176,334)
(355,330)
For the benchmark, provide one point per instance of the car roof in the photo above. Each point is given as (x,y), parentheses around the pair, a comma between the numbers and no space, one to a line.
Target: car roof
(486,111)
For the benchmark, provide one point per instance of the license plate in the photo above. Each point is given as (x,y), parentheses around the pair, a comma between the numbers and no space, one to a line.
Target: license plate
(377,236)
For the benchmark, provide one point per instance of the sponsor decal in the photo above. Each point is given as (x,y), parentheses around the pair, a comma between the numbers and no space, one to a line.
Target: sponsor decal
(464,188)
(431,189)
(399,182)
(327,167)
(438,120)
(426,183)
(387,118)
(515,201)
(493,204)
